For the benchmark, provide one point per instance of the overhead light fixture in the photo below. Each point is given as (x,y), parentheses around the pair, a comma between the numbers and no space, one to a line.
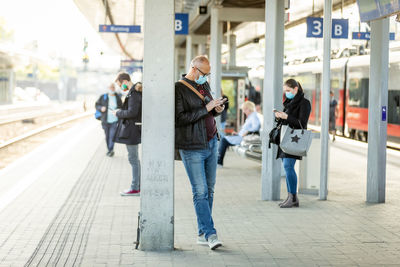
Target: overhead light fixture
(202,10)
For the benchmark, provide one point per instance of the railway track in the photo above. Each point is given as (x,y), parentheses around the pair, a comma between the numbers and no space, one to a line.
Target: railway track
(43,128)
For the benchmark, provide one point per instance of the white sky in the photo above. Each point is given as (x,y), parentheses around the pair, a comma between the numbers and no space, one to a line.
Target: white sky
(58,26)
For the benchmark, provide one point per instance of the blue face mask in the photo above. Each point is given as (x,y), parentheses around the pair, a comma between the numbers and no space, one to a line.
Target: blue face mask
(201,79)
(289,95)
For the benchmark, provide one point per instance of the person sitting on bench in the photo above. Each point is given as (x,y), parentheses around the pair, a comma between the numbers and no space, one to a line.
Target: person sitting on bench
(251,125)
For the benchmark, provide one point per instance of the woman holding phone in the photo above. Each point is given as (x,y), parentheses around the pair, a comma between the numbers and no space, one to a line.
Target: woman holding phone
(295,114)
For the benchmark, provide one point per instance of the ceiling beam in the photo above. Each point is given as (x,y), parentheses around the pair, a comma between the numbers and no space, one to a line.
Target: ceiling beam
(241,14)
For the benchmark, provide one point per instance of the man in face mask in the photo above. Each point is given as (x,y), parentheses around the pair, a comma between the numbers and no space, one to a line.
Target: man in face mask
(196,139)
(106,104)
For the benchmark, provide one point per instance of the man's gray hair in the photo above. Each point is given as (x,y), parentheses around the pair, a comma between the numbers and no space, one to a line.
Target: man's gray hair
(198,60)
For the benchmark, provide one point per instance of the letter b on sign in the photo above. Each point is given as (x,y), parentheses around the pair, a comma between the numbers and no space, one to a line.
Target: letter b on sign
(338,31)
(340,28)
(181,23)
(178,25)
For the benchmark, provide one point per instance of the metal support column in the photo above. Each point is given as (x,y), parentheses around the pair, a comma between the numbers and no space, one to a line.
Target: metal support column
(326,88)
(189,51)
(232,50)
(157,183)
(272,95)
(215,55)
(377,111)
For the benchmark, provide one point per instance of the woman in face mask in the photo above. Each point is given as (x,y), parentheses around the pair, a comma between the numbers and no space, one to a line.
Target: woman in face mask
(295,114)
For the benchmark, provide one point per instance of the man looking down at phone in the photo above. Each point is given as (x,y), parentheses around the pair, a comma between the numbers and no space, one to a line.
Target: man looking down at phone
(251,125)
(106,104)
(129,129)
(196,139)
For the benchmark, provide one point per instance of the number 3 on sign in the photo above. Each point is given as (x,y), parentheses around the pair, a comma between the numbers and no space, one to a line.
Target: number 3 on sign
(317,27)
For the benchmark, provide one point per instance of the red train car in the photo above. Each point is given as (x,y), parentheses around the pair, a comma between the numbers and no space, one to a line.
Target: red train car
(350,82)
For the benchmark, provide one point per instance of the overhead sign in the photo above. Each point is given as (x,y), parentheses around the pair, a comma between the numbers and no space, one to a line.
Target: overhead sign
(315,28)
(376,9)
(367,36)
(131,66)
(119,28)
(181,23)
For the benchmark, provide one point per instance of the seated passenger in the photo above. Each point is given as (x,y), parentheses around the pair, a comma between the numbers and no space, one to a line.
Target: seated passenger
(251,125)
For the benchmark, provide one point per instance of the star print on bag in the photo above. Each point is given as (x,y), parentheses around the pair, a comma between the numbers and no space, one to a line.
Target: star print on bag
(295,139)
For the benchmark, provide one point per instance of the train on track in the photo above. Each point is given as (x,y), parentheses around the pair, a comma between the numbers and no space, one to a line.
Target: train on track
(350,84)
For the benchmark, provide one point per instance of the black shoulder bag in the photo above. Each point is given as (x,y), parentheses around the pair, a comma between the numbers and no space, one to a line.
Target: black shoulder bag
(275,135)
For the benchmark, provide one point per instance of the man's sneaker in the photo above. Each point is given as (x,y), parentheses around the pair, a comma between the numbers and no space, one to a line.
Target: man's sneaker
(213,242)
(130,193)
(201,240)
(111,153)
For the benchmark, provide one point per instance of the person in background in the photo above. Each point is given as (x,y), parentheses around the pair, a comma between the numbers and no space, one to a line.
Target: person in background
(333,114)
(106,104)
(295,114)
(129,132)
(251,125)
(224,113)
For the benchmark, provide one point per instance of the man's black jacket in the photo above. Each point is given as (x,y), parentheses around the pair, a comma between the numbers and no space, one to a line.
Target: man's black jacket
(190,114)
(103,102)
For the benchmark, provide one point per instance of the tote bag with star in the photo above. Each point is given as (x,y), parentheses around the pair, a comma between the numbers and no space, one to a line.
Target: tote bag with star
(295,142)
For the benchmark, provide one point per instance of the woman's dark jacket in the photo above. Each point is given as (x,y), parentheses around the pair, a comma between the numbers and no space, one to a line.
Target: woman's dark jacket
(190,114)
(103,102)
(298,110)
(130,113)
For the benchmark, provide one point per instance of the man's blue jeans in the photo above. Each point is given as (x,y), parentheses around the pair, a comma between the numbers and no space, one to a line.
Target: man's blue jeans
(201,167)
(133,158)
(291,177)
(109,130)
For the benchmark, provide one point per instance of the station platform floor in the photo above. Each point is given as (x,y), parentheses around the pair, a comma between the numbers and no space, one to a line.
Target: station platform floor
(60,206)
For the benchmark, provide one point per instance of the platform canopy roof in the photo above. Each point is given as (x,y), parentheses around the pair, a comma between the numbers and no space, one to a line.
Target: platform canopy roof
(130,12)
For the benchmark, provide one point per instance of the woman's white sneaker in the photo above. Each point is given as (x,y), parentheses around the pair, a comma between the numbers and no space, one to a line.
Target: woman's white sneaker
(213,242)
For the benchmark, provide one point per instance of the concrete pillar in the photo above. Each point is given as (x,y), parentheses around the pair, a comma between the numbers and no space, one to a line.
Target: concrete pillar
(272,95)
(215,56)
(176,62)
(189,51)
(377,111)
(11,86)
(201,49)
(157,183)
(232,50)
(326,87)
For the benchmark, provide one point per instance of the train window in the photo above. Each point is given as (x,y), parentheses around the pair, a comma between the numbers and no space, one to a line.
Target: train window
(358,92)
(394,107)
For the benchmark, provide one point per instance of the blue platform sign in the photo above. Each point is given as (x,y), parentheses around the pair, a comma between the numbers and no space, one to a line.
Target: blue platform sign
(182,23)
(376,9)
(383,113)
(315,28)
(119,28)
(367,36)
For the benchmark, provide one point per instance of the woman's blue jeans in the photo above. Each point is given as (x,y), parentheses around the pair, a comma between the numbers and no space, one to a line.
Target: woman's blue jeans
(291,177)
(201,167)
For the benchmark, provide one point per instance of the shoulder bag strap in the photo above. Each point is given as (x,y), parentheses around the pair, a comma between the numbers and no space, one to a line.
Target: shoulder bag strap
(192,88)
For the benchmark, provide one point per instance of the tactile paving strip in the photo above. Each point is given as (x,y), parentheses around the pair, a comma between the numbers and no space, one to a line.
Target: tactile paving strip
(65,239)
